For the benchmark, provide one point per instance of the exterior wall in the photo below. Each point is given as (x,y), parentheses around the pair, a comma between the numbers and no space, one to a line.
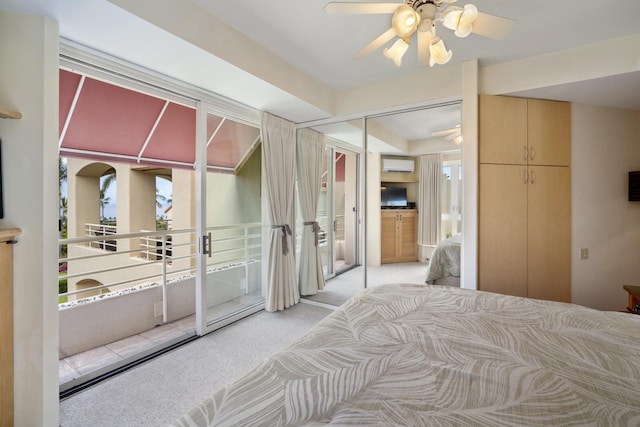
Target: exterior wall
(235,199)
(121,316)
(29,84)
(605,147)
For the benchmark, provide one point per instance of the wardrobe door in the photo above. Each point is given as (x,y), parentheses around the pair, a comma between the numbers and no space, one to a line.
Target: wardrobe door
(549,241)
(502,130)
(549,132)
(502,238)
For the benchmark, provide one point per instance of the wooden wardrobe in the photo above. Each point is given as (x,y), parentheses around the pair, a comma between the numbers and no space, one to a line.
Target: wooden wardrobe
(524,193)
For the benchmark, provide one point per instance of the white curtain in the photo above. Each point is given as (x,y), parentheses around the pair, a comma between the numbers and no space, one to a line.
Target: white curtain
(429,199)
(310,153)
(279,147)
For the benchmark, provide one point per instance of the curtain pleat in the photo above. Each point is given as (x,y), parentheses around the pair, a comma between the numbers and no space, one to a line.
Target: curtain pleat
(429,199)
(310,152)
(279,146)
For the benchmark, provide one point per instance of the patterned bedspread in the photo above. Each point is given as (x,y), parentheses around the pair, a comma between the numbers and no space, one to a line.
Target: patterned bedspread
(445,260)
(411,355)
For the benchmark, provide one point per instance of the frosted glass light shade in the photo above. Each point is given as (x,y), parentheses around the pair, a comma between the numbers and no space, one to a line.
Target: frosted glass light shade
(405,21)
(461,20)
(396,51)
(438,53)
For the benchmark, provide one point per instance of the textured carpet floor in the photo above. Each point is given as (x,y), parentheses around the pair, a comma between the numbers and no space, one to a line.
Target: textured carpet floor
(159,391)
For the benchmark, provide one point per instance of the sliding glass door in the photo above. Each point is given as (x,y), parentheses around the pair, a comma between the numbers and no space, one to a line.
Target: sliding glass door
(451,197)
(345,224)
(232,223)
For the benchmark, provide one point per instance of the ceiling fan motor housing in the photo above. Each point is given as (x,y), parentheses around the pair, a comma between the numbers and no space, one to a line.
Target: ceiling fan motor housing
(427,9)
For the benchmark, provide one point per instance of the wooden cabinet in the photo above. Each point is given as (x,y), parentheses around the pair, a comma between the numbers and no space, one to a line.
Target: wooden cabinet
(7,237)
(524,212)
(398,235)
(520,131)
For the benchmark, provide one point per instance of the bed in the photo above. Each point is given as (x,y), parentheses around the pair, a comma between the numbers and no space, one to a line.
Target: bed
(416,355)
(444,263)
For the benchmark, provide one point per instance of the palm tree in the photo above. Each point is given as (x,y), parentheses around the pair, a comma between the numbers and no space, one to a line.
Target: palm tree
(106,181)
(62,204)
(160,198)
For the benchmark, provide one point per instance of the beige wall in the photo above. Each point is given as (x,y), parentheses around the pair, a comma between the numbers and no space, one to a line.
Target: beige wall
(235,199)
(605,147)
(29,84)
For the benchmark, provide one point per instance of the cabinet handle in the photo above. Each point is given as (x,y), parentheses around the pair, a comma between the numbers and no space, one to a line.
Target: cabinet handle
(526,154)
(525,177)
(532,152)
(533,177)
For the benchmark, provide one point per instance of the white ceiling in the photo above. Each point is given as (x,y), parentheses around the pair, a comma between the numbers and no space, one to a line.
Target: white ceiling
(320,46)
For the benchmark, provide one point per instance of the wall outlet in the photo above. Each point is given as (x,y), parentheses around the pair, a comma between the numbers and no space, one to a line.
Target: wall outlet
(584,253)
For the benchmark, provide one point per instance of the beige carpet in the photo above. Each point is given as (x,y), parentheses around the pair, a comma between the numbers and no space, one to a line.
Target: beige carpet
(159,391)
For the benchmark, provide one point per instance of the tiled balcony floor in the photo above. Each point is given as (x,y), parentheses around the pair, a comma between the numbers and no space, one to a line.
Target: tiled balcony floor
(78,368)
(98,358)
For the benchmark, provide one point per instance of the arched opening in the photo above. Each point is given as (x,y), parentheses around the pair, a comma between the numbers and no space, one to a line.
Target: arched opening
(90,285)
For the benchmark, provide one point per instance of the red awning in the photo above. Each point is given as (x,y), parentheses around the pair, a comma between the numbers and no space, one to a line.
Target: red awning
(116,123)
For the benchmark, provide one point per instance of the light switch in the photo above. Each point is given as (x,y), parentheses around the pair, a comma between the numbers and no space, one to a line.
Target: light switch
(584,253)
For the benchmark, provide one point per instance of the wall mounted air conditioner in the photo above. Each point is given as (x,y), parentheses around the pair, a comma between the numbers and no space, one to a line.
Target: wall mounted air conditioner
(398,165)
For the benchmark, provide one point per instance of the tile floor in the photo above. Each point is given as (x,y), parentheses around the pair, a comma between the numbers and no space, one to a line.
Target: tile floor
(95,359)
(77,368)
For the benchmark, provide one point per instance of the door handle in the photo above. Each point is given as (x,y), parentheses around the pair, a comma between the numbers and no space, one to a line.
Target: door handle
(532,153)
(526,153)
(533,177)
(525,177)
(206,245)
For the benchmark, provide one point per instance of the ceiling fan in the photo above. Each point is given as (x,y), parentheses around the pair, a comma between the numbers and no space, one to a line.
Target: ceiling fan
(451,134)
(421,16)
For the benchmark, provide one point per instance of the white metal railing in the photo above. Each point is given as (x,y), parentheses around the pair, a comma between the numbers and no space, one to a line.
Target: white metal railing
(173,253)
(156,247)
(101,230)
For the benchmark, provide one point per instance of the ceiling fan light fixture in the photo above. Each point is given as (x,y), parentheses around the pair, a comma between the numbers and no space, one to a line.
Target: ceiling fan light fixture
(405,21)
(397,51)
(438,53)
(460,20)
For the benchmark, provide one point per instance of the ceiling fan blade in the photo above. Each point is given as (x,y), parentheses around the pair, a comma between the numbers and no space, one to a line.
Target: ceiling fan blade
(336,7)
(382,39)
(424,38)
(492,26)
(450,131)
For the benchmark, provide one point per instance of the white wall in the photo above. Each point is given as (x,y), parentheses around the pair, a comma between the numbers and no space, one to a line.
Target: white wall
(605,147)
(29,84)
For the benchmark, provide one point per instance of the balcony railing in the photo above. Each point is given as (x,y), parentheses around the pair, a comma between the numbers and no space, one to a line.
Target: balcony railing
(101,230)
(158,263)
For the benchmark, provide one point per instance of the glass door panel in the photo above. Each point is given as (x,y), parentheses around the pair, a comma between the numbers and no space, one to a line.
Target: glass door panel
(345,202)
(451,198)
(338,214)
(325,215)
(233,221)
